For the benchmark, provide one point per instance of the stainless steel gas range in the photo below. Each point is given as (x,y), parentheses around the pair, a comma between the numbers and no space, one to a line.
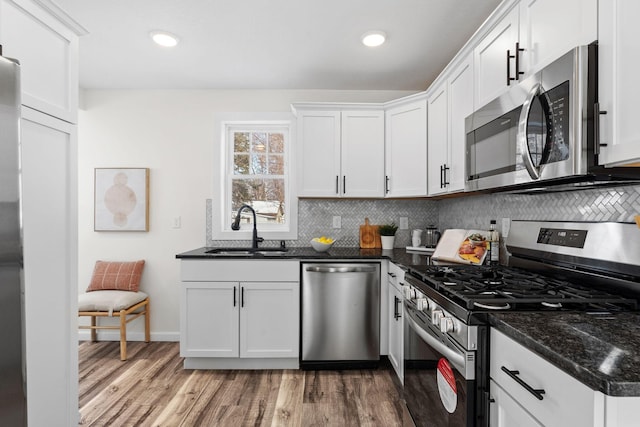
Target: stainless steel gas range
(553,266)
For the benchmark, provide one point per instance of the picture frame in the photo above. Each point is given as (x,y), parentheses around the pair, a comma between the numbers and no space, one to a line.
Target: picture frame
(121,199)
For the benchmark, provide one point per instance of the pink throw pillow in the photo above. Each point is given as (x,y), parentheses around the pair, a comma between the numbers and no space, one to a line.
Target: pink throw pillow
(112,275)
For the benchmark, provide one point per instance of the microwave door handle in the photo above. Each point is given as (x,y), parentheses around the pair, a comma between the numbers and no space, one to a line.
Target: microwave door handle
(522,132)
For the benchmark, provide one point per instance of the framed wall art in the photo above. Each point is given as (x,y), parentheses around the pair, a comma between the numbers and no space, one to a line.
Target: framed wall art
(121,199)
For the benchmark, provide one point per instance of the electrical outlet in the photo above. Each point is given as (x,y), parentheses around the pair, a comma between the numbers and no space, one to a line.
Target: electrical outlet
(404,223)
(177,222)
(337,221)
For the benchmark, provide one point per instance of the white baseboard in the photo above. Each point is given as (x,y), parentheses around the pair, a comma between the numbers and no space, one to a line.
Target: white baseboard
(85,335)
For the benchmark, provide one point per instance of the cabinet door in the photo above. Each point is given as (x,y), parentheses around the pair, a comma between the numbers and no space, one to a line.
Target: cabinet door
(269,319)
(318,169)
(48,53)
(490,59)
(437,139)
(460,106)
(50,227)
(619,60)
(565,400)
(406,150)
(506,412)
(396,331)
(209,319)
(362,154)
(551,28)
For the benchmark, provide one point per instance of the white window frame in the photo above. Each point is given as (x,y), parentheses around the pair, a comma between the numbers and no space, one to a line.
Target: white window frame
(223,165)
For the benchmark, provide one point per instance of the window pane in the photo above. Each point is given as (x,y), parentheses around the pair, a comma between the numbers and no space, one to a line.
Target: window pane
(241,142)
(265,196)
(241,164)
(259,141)
(276,164)
(276,143)
(258,164)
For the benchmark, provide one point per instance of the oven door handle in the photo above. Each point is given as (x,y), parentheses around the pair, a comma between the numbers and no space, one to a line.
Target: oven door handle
(457,359)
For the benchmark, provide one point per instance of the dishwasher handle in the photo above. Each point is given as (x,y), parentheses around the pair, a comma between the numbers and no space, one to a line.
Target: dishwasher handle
(332,269)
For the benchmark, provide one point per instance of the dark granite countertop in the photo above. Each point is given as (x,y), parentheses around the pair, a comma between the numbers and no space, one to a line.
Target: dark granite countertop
(601,351)
(397,255)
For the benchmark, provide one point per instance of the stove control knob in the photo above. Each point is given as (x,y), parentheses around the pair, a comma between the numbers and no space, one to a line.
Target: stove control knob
(409,292)
(446,325)
(436,315)
(422,304)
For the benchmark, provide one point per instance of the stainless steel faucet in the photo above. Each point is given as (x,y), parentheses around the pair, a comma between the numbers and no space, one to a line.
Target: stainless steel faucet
(236,225)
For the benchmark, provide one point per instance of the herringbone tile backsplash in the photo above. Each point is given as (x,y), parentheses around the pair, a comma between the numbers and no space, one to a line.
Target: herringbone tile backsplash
(618,204)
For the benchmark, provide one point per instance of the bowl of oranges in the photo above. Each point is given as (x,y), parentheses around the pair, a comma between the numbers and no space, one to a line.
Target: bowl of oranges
(322,244)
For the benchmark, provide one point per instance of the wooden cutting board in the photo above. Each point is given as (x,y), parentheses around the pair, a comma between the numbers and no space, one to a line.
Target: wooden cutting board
(369,235)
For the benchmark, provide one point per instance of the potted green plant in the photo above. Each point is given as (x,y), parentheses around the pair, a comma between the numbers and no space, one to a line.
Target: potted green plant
(388,234)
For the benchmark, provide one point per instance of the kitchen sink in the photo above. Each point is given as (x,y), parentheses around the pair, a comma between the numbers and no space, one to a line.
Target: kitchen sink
(247,252)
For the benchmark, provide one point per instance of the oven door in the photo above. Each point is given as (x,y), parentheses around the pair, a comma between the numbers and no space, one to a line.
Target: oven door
(440,387)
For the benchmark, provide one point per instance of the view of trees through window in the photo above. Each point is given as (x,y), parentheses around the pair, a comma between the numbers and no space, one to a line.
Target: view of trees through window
(258,177)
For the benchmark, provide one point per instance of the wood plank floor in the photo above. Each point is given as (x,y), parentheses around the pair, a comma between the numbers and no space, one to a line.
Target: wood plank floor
(152,389)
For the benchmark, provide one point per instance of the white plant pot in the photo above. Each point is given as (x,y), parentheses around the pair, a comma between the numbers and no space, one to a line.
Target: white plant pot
(387,242)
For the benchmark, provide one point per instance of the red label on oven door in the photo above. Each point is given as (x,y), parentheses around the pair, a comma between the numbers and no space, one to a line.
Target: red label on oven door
(447,386)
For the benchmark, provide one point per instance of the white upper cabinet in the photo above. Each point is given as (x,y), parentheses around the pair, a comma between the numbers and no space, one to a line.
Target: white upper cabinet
(340,153)
(618,92)
(48,52)
(437,138)
(551,28)
(490,59)
(449,105)
(362,153)
(406,149)
(318,145)
(530,35)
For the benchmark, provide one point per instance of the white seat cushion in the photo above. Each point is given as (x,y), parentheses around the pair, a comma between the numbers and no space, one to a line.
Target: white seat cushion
(109,300)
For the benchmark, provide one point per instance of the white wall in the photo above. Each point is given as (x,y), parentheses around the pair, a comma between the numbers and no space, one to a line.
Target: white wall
(170,132)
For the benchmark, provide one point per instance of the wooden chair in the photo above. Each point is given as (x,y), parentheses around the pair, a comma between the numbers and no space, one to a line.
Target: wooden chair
(113,292)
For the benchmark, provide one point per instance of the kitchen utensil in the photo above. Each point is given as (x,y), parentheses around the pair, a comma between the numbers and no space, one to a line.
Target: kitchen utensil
(369,235)
(431,237)
(416,237)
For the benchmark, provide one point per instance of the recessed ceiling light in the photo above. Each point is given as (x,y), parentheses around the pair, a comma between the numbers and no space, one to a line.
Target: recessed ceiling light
(164,38)
(373,38)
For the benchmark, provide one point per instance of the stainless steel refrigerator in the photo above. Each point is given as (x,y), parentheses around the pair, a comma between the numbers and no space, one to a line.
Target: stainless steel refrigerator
(12,371)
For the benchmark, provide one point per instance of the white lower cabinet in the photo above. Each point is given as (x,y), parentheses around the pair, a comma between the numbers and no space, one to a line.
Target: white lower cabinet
(396,320)
(269,318)
(561,399)
(240,323)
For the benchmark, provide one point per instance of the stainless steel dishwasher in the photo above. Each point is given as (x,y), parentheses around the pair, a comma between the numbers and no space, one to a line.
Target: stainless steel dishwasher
(340,315)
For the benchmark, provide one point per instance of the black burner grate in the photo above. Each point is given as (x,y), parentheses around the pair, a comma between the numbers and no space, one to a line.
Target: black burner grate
(504,288)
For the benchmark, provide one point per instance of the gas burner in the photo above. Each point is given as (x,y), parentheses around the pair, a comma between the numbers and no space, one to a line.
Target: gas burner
(551,304)
(492,306)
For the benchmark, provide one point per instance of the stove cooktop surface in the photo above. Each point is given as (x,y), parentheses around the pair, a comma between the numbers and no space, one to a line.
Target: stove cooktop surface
(478,288)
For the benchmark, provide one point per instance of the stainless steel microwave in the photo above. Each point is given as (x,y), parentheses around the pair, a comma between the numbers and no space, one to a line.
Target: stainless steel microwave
(537,131)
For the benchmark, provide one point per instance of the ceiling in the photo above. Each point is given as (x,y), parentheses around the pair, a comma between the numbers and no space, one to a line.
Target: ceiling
(271,44)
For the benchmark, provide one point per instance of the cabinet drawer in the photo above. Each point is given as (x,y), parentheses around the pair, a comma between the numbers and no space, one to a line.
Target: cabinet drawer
(240,270)
(565,401)
(395,276)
